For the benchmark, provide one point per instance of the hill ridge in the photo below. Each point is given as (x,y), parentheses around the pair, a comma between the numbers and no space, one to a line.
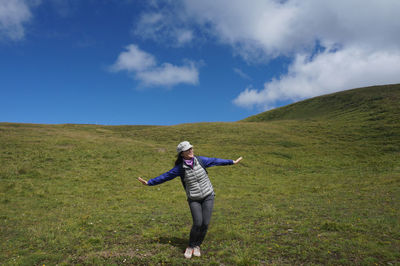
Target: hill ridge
(373,102)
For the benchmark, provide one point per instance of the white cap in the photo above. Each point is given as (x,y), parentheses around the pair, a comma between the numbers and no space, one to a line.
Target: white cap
(183,146)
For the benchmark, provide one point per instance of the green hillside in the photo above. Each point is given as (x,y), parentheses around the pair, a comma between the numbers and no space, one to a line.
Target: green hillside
(316,189)
(377,102)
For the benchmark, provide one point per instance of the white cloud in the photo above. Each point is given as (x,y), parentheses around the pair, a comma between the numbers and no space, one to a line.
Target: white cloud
(250,97)
(134,59)
(169,75)
(259,25)
(359,40)
(293,26)
(146,70)
(150,25)
(325,73)
(163,26)
(13,15)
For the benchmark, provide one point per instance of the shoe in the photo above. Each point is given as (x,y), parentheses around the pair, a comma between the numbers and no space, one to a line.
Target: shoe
(196,251)
(188,252)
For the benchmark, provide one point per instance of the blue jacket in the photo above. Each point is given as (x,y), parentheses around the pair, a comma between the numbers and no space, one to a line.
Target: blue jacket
(178,170)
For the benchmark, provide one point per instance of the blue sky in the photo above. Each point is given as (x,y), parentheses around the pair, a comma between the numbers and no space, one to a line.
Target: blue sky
(169,62)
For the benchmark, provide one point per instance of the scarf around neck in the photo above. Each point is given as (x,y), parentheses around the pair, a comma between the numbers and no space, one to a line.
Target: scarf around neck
(189,162)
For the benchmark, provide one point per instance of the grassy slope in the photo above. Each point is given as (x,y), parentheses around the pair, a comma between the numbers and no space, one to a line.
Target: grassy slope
(375,102)
(314,191)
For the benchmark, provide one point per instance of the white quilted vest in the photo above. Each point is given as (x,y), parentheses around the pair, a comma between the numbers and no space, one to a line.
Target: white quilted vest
(197,184)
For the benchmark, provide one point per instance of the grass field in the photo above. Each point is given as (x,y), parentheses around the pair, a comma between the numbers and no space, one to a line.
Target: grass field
(314,190)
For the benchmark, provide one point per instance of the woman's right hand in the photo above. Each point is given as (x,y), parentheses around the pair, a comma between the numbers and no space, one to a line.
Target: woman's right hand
(141,180)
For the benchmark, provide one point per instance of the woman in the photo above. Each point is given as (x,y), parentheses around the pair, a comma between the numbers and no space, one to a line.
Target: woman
(199,190)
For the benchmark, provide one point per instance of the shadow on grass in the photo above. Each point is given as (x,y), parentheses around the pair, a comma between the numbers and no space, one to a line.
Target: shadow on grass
(180,243)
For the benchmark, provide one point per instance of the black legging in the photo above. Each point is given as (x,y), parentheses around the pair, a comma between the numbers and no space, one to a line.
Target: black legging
(201,214)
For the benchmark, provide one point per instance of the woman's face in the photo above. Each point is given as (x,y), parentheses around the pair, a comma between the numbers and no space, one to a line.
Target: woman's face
(187,155)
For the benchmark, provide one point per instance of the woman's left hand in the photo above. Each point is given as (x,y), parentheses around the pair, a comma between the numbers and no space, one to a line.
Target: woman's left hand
(238,160)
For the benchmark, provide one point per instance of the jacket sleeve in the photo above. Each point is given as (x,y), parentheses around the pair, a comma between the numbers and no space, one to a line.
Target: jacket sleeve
(171,174)
(209,162)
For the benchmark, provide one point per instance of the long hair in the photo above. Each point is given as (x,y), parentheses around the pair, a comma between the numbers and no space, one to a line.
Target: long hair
(179,159)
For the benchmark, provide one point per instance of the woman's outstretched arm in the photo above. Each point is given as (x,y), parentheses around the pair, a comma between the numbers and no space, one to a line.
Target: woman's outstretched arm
(209,162)
(171,174)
